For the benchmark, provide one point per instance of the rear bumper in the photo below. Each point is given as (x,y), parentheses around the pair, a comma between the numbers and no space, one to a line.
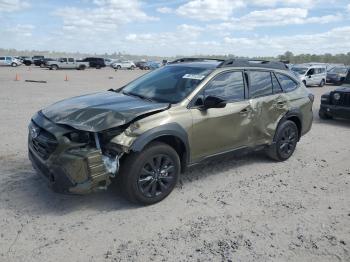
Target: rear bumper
(336,111)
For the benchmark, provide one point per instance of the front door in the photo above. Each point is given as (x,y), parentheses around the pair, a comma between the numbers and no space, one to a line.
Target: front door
(218,130)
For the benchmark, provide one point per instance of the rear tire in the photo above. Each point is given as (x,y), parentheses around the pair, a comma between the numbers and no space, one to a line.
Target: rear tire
(286,139)
(98,67)
(82,67)
(322,83)
(150,176)
(54,67)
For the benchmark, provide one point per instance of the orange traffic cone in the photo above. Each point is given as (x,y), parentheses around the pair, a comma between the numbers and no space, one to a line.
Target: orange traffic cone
(66,78)
(17,77)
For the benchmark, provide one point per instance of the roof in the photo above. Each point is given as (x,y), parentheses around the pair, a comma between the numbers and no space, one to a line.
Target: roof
(199,64)
(220,63)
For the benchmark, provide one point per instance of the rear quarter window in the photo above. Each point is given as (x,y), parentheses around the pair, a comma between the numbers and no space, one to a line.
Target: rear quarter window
(287,83)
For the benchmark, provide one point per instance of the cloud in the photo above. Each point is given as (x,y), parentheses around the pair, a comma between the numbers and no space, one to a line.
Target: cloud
(108,15)
(206,10)
(334,41)
(348,8)
(273,3)
(274,17)
(13,5)
(164,10)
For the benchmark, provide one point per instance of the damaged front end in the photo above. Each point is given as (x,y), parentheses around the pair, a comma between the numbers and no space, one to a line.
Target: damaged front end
(73,161)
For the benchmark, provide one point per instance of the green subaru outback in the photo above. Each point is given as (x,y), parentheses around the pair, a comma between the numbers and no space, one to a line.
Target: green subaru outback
(147,132)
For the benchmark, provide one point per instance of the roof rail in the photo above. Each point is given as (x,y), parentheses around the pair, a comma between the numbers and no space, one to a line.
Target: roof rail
(194,59)
(253,63)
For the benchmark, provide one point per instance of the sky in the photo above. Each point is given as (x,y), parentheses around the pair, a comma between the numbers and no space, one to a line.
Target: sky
(182,27)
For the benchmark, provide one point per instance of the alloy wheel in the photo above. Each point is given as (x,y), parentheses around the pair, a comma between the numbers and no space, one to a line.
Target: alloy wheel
(157,176)
(288,141)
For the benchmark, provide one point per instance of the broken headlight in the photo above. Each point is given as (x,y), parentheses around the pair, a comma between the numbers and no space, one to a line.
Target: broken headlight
(79,137)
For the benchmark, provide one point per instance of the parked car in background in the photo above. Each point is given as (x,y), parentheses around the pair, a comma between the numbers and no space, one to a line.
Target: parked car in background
(67,63)
(9,61)
(337,75)
(124,65)
(336,104)
(141,64)
(311,74)
(150,65)
(38,60)
(26,60)
(46,60)
(95,62)
(109,61)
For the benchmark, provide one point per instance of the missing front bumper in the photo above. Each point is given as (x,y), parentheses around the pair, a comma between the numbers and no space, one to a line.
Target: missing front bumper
(77,172)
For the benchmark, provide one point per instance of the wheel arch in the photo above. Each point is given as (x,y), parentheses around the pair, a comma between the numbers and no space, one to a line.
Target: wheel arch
(295,116)
(171,134)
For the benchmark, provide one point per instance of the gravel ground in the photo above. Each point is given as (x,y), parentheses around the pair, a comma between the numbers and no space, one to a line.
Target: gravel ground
(239,209)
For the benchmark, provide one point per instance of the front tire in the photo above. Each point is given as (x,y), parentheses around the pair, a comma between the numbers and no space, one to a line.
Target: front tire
(54,67)
(150,176)
(286,139)
(13,64)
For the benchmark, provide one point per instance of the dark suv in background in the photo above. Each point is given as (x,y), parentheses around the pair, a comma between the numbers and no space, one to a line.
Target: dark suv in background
(337,102)
(95,62)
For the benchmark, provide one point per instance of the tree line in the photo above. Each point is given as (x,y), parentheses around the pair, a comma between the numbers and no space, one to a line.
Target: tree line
(287,56)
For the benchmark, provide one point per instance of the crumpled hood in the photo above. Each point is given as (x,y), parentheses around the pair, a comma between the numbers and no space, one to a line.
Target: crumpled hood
(100,111)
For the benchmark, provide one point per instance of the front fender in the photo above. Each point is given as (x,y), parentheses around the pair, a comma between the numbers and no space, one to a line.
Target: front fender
(171,129)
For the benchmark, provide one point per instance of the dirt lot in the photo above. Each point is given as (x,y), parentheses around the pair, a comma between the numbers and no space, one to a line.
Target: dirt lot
(238,209)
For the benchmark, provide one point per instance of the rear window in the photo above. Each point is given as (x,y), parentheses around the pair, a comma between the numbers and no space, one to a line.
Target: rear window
(260,84)
(286,82)
(276,85)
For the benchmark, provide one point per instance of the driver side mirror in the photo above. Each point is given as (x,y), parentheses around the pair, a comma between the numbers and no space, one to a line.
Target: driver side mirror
(211,102)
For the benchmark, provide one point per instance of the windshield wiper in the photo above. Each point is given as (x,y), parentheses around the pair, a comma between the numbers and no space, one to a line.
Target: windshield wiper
(138,95)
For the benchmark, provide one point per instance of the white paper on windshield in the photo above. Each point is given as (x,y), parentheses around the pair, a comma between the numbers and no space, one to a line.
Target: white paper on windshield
(195,77)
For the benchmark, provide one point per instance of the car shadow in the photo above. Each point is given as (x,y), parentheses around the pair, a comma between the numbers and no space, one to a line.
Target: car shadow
(23,190)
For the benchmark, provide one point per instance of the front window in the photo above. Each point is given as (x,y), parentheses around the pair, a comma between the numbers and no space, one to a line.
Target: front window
(299,70)
(169,84)
(228,86)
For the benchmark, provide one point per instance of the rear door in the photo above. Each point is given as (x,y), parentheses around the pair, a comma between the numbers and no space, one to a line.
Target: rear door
(268,103)
(217,130)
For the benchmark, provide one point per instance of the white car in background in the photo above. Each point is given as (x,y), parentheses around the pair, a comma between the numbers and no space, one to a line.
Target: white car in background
(109,61)
(124,65)
(311,74)
(9,61)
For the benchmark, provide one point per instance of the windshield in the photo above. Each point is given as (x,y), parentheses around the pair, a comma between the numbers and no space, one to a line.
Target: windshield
(170,84)
(338,70)
(300,70)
